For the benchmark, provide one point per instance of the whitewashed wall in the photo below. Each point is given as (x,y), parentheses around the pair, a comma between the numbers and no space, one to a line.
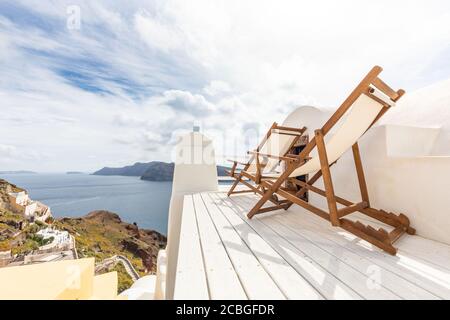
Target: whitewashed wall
(195,171)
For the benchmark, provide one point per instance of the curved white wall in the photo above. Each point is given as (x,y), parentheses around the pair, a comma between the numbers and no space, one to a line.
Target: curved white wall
(310,117)
(428,107)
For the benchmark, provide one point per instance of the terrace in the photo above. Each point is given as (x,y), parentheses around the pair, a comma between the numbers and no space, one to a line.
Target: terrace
(294,254)
(215,251)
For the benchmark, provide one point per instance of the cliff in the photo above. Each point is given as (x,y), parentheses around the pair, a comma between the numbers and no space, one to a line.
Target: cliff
(151,171)
(5,188)
(102,234)
(18,172)
(137,169)
(16,234)
(159,171)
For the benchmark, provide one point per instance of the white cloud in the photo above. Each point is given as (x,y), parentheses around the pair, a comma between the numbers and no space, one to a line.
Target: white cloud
(217,87)
(187,102)
(7,151)
(156,33)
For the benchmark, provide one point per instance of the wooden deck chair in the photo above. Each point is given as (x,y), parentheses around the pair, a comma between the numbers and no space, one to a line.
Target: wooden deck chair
(365,105)
(277,142)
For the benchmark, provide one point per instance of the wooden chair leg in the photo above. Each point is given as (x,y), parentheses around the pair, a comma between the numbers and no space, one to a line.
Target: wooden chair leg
(326,174)
(270,191)
(360,173)
(379,238)
(236,182)
(266,197)
(303,190)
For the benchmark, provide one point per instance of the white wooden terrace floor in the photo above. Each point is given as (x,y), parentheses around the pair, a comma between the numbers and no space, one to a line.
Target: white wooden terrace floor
(296,255)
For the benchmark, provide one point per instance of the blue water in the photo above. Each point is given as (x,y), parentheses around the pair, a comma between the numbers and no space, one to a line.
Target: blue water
(75,195)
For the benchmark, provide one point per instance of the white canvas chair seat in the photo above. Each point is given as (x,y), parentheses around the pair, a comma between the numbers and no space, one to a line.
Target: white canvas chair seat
(277,144)
(361,116)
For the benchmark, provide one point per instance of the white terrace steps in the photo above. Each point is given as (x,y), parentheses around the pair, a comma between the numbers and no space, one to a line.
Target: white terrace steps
(295,255)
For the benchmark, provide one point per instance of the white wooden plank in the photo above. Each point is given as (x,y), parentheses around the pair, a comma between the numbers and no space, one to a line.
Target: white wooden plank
(326,283)
(293,285)
(428,250)
(360,282)
(190,282)
(222,279)
(431,279)
(255,280)
(416,247)
(428,277)
(387,279)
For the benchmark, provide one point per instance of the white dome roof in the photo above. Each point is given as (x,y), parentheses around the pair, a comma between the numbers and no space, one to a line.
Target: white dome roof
(426,107)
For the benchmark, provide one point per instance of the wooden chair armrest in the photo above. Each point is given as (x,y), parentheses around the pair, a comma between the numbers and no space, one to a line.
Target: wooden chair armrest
(299,130)
(284,158)
(296,155)
(237,162)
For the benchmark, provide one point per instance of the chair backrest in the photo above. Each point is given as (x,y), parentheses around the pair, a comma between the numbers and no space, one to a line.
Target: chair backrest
(370,100)
(278,143)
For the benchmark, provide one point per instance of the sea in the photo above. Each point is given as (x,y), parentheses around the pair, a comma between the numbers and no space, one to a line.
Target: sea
(74,195)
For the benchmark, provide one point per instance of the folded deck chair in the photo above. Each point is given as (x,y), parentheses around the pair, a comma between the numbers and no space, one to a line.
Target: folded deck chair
(277,143)
(365,105)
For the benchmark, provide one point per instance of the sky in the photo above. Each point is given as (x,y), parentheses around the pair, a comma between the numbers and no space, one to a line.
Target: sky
(88,84)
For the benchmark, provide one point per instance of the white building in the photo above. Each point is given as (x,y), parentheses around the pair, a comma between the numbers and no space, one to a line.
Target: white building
(21,198)
(21,202)
(30,209)
(60,238)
